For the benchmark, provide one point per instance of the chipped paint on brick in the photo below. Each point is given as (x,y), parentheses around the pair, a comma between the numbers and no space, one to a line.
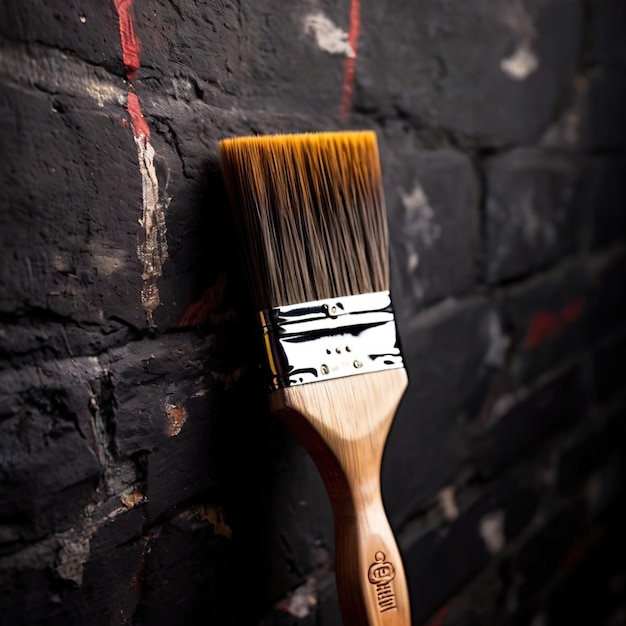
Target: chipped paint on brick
(131,498)
(176,418)
(521,64)
(447,502)
(491,530)
(204,513)
(302,600)
(498,342)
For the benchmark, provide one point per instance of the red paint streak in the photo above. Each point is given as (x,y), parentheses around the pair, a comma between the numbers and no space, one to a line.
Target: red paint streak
(348,72)
(546,325)
(130,43)
(130,53)
(573,310)
(439,617)
(137,120)
(543,326)
(204,311)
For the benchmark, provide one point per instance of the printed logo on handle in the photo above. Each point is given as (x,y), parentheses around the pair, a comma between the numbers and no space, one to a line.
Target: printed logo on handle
(380,574)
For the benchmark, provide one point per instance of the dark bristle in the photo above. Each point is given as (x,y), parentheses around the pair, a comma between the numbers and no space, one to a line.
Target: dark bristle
(311,213)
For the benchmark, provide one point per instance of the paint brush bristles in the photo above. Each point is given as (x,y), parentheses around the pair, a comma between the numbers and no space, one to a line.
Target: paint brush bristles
(311,214)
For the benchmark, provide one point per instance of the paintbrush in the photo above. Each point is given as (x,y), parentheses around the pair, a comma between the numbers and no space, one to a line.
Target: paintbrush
(311,216)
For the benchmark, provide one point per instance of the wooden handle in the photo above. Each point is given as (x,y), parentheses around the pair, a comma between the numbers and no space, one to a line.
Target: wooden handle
(344,425)
(370,577)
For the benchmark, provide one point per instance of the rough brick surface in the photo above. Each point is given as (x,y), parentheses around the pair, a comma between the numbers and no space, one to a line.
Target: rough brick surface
(71,209)
(609,367)
(530,219)
(609,32)
(143,479)
(425,448)
(607,293)
(547,317)
(88,31)
(603,125)
(557,405)
(522,60)
(478,533)
(434,226)
(603,197)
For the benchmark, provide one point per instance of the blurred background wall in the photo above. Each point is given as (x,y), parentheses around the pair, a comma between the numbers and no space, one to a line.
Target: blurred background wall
(142,480)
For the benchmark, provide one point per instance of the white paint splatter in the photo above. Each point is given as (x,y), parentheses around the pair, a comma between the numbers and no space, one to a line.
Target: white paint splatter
(420,216)
(57,72)
(447,502)
(491,529)
(413,259)
(303,599)
(498,342)
(415,200)
(521,64)
(328,36)
(103,92)
(152,252)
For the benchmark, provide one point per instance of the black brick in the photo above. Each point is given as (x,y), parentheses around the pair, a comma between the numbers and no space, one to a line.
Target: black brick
(546,550)
(36,500)
(609,32)
(50,461)
(607,294)
(115,564)
(548,320)
(530,220)
(26,339)
(32,597)
(592,449)
(189,574)
(603,198)
(433,225)
(425,447)
(201,32)
(609,369)
(429,77)
(556,405)
(603,126)
(154,377)
(435,569)
(59,25)
(588,592)
(301,517)
(50,223)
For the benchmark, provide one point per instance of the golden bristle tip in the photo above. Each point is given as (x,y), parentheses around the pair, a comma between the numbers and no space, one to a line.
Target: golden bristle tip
(311,214)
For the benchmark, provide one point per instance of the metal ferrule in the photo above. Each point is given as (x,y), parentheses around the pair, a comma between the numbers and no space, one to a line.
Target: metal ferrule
(332,338)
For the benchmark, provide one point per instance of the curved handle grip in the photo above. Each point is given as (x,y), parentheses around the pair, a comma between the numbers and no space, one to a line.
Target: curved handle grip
(370,576)
(344,424)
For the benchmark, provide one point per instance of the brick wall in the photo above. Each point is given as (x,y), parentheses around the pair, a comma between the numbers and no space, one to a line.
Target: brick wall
(143,480)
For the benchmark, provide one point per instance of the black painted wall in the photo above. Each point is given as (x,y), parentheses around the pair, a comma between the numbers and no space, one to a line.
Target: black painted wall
(142,479)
